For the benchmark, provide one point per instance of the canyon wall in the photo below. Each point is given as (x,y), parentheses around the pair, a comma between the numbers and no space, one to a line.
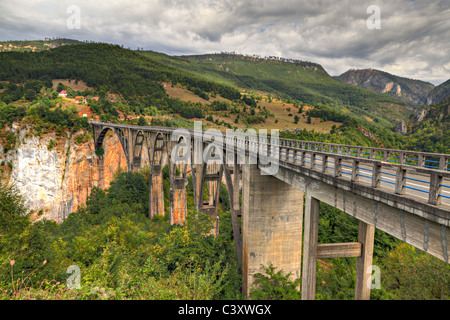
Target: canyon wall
(55,175)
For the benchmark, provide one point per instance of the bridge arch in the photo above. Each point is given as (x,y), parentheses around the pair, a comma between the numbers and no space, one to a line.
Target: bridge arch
(139,141)
(180,158)
(101,136)
(159,150)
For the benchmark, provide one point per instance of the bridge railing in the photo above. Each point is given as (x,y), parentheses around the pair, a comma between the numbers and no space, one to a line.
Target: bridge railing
(423,175)
(399,177)
(414,158)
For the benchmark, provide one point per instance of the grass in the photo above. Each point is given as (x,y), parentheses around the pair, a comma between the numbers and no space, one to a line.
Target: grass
(79,86)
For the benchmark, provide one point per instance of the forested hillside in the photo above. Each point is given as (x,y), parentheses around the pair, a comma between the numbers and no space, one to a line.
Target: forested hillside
(304,82)
(123,255)
(432,134)
(109,68)
(136,78)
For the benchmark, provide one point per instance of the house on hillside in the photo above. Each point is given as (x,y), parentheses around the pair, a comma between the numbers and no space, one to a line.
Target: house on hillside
(80,100)
(63,93)
(95,98)
(85,112)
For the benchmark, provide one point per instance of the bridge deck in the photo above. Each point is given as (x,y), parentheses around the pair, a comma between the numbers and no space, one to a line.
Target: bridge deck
(426,176)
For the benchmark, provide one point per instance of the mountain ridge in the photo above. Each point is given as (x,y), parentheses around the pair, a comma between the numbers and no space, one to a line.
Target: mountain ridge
(408,90)
(412,91)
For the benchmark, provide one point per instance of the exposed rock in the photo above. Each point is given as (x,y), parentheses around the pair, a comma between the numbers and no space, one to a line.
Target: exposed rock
(57,180)
(411,91)
(421,115)
(401,127)
(439,93)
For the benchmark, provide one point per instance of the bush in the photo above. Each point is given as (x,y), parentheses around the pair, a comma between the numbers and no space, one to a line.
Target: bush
(275,285)
(52,143)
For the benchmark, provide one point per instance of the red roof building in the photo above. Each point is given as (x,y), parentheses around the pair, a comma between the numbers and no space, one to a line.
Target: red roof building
(80,99)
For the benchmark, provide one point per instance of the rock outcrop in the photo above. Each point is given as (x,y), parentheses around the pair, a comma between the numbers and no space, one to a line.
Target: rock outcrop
(413,92)
(439,93)
(55,175)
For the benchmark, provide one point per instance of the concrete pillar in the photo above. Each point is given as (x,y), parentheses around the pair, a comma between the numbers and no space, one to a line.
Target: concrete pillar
(129,146)
(156,202)
(272,217)
(237,176)
(197,171)
(311,232)
(364,262)
(178,203)
(101,171)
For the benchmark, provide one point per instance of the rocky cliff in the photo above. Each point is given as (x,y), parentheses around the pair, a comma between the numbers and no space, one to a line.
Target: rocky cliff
(413,92)
(55,175)
(439,93)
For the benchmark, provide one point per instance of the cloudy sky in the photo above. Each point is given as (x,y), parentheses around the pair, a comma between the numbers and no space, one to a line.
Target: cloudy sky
(413,38)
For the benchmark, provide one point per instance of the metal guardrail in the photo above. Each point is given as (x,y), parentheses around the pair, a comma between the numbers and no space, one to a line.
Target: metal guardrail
(430,184)
(400,171)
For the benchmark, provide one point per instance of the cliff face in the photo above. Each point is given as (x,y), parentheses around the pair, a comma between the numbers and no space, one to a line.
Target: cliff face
(410,91)
(55,175)
(439,93)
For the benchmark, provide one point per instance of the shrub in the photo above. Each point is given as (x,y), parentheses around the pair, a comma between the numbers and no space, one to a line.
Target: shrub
(275,285)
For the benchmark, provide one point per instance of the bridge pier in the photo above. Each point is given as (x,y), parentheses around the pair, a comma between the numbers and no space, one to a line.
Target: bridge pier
(363,250)
(366,236)
(156,192)
(271,225)
(178,201)
(310,248)
(101,172)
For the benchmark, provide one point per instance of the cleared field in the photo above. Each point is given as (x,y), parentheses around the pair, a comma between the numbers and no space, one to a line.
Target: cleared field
(80,86)
(184,95)
(278,108)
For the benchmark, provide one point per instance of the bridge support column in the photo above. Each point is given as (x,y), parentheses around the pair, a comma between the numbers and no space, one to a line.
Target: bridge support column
(310,248)
(363,250)
(364,262)
(156,192)
(271,225)
(101,172)
(178,203)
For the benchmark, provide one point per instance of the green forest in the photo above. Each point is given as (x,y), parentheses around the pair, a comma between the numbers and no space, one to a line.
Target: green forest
(121,254)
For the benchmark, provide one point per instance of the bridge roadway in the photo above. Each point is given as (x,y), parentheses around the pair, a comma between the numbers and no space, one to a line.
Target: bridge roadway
(403,193)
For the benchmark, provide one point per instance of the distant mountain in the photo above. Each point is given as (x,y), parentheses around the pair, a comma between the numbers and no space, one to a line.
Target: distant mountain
(439,93)
(414,92)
